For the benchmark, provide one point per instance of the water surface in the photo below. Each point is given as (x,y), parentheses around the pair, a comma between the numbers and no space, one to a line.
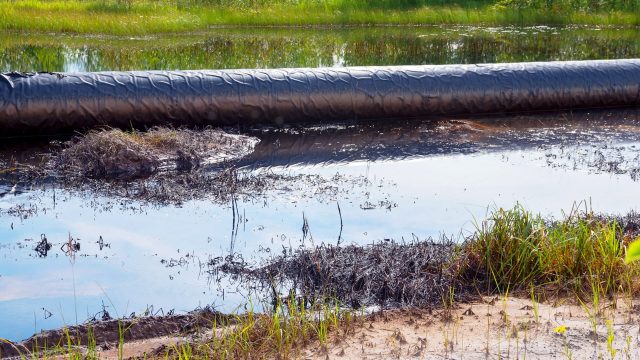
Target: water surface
(225,48)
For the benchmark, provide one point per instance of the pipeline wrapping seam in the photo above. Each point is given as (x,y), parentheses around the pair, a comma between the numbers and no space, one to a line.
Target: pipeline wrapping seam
(48,102)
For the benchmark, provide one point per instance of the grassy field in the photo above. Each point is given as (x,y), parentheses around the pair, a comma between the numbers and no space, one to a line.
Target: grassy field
(134,17)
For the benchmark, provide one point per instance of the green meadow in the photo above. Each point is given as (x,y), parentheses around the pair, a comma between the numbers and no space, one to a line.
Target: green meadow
(137,17)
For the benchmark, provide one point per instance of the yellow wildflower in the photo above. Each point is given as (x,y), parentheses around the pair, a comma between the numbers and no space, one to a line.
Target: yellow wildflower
(560,330)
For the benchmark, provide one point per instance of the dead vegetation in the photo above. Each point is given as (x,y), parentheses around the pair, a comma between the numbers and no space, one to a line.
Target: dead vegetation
(159,167)
(513,250)
(117,154)
(169,166)
(388,273)
(218,186)
(162,165)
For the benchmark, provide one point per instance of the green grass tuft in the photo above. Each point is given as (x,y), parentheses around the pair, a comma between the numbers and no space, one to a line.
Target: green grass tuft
(582,253)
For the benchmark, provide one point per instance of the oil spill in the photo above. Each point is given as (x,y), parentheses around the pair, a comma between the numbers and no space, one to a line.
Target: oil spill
(346,183)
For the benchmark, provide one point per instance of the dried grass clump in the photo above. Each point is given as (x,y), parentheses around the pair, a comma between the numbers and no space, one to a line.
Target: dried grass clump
(113,153)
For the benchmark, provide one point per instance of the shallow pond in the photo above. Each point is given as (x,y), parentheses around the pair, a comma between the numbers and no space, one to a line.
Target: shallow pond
(271,47)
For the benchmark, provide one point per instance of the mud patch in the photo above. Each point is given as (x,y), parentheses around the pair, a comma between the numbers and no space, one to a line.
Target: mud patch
(106,332)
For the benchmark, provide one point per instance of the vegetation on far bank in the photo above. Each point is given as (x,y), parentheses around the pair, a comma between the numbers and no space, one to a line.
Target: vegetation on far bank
(130,17)
(246,47)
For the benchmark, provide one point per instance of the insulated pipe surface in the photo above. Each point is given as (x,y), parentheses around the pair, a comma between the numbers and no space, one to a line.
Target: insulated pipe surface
(55,102)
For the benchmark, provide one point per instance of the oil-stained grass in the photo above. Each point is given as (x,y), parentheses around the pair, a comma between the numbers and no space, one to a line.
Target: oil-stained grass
(114,153)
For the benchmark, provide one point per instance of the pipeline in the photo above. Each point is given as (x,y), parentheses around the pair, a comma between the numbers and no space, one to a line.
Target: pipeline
(44,103)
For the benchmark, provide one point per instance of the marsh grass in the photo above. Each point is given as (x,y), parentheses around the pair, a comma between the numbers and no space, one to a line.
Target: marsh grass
(581,254)
(135,17)
(278,334)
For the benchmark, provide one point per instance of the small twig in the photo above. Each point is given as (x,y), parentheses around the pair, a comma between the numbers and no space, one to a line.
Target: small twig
(341,225)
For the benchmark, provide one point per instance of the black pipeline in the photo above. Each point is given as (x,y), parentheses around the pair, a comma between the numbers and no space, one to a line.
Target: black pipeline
(56,102)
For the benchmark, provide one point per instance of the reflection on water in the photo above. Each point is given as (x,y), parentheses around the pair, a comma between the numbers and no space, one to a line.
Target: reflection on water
(268,48)
(398,140)
(398,181)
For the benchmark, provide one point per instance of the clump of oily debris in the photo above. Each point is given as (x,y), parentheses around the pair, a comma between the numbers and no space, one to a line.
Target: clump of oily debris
(387,273)
(118,154)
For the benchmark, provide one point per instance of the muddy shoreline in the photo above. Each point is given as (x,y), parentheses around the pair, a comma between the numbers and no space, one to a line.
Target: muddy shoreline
(106,332)
(387,276)
(486,327)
